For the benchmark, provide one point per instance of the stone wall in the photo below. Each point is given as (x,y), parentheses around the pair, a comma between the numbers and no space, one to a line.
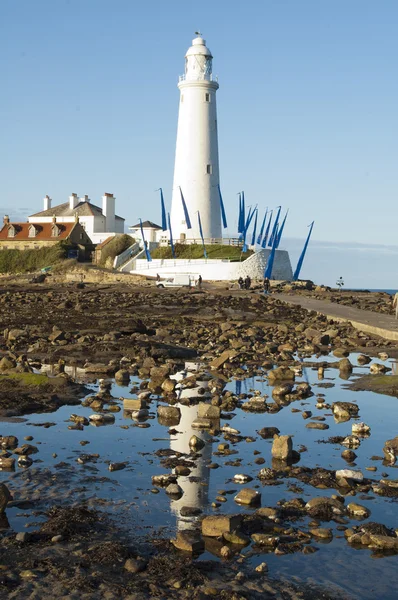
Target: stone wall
(218,269)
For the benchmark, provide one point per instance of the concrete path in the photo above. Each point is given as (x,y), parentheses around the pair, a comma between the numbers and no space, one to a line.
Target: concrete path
(385,326)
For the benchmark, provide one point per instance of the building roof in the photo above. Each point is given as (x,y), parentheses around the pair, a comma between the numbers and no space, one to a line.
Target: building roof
(43,231)
(105,242)
(146,225)
(82,209)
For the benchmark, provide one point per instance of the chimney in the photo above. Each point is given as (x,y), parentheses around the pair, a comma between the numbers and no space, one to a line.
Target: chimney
(73,201)
(46,203)
(84,198)
(6,219)
(108,210)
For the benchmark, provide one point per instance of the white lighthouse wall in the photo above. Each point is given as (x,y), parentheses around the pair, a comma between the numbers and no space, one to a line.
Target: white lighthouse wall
(196,154)
(219,269)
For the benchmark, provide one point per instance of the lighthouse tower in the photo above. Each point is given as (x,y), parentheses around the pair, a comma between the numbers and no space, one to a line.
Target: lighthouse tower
(196,170)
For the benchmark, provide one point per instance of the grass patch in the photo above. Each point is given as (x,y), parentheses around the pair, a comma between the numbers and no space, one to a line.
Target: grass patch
(33,379)
(116,246)
(26,261)
(381,384)
(233,253)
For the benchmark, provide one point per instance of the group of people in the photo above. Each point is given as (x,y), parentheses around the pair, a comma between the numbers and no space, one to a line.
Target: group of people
(244,284)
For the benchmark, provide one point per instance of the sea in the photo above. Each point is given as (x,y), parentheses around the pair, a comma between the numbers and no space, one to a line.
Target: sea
(391,292)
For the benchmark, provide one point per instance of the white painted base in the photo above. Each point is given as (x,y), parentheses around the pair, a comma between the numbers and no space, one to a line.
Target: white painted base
(219,269)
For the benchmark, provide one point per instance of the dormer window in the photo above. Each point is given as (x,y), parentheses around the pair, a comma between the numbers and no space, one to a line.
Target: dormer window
(54,231)
(32,231)
(11,231)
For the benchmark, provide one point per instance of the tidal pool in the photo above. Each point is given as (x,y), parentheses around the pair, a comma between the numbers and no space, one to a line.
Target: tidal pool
(56,475)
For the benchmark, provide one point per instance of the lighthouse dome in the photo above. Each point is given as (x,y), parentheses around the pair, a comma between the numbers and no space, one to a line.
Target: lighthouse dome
(199,47)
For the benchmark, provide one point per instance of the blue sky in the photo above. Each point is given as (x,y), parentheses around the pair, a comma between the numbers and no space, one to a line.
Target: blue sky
(307,108)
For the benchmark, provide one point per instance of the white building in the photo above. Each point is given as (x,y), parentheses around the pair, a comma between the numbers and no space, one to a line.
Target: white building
(99,223)
(152,233)
(196,170)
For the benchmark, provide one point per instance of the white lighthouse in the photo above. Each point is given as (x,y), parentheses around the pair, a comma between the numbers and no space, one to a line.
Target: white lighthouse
(196,170)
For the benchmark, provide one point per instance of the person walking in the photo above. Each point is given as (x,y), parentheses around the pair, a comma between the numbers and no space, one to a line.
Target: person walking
(241,283)
(200,282)
(267,285)
(248,282)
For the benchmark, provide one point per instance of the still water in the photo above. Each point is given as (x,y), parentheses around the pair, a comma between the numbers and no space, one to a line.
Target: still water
(56,476)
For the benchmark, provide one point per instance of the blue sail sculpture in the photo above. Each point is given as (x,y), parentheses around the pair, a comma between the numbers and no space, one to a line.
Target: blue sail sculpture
(147,253)
(270,262)
(201,235)
(243,211)
(240,227)
(223,215)
(275,227)
(264,242)
(302,255)
(186,214)
(254,229)
(260,235)
(281,229)
(247,225)
(163,208)
(171,237)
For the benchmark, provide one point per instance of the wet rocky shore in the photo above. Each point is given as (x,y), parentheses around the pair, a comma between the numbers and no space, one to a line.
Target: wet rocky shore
(160,443)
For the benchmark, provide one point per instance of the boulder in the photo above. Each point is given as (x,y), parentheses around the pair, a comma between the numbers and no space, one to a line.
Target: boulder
(170,414)
(223,358)
(321,532)
(281,374)
(324,508)
(5,497)
(268,432)
(344,410)
(358,510)
(390,450)
(217,525)
(282,447)
(345,365)
(188,541)
(248,497)
(384,542)
(208,411)
(349,474)
(6,364)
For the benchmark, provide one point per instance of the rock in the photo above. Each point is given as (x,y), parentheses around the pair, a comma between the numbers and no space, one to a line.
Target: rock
(134,404)
(208,411)
(57,538)
(242,478)
(384,542)
(188,541)
(122,376)
(363,359)
(135,565)
(170,414)
(282,390)
(340,352)
(262,568)
(351,441)
(349,455)
(344,410)
(324,508)
(248,496)
(281,374)
(196,443)
(223,358)
(168,385)
(265,539)
(315,425)
(26,449)
(118,466)
(306,414)
(282,447)
(5,497)
(24,461)
(201,423)
(6,364)
(173,489)
(358,510)
(390,450)
(349,474)
(8,441)
(268,512)
(345,365)
(163,480)
(360,428)
(237,538)
(268,432)
(102,419)
(15,334)
(7,462)
(377,368)
(217,525)
(321,532)
(22,536)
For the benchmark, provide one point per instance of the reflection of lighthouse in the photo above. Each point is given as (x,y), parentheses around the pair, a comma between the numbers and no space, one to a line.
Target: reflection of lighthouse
(195,493)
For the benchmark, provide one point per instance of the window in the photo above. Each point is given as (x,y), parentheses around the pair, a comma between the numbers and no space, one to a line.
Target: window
(207,97)
(32,231)
(209,169)
(11,231)
(54,231)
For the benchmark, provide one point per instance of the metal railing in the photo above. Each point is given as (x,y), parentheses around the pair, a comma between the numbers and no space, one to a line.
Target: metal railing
(199,77)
